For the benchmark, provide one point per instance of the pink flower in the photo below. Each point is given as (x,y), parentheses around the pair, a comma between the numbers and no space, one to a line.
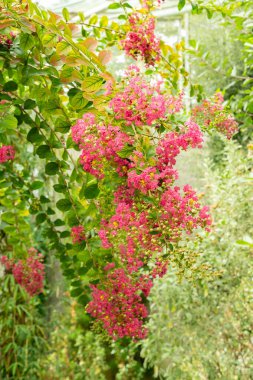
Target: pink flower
(146,181)
(30,273)
(78,234)
(7,153)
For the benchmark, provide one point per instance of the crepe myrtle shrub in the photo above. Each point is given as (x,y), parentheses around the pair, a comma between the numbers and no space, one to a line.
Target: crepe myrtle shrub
(114,217)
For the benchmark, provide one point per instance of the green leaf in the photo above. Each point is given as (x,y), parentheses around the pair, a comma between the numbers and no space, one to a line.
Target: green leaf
(8,217)
(62,126)
(114,6)
(77,101)
(83,299)
(65,234)
(92,84)
(49,40)
(63,48)
(59,222)
(37,185)
(34,136)
(86,268)
(66,14)
(127,5)
(181,4)
(60,188)
(63,204)
(91,191)
(76,292)
(44,199)
(29,104)
(9,122)
(126,151)
(93,20)
(52,168)
(26,41)
(10,86)
(43,151)
(40,218)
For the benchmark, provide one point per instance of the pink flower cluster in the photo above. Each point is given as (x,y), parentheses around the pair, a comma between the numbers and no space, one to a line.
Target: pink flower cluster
(141,39)
(78,234)
(183,213)
(139,228)
(28,273)
(140,103)
(169,147)
(211,114)
(118,305)
(100,145)
(7,153)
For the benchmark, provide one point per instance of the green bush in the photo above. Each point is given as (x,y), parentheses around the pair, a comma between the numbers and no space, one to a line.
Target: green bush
(203,330)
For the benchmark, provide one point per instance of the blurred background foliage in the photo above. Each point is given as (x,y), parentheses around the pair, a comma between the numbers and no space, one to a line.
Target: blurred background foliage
(199,328)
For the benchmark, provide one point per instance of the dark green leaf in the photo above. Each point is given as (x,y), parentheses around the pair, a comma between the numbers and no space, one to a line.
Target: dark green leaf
(86,268)
(83,299)
(29,104)
(34,136)
(44,199)
(40,218)
(43,151)
(52,168)
(59,222)
(91,191)
(76,292)
(10,86)
(64,204)
(60,188)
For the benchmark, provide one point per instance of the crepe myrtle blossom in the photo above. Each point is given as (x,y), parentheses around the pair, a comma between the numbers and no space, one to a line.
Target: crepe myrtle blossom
(141,39)
(29,273)
(7,153)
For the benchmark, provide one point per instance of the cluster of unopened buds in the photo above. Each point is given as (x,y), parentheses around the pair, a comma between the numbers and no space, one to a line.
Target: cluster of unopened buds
(28,273)
(7,41)
(7,153)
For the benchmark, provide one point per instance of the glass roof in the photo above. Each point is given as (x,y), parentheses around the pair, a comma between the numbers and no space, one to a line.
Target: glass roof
(168,8)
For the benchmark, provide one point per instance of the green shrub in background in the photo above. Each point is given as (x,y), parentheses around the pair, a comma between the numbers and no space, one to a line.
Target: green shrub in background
(22,333)
(204,330)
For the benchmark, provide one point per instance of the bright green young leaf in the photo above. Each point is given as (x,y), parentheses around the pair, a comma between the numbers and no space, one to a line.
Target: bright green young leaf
(181,4)
(9,122)
(27,41)
(92,84)
(114,6)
